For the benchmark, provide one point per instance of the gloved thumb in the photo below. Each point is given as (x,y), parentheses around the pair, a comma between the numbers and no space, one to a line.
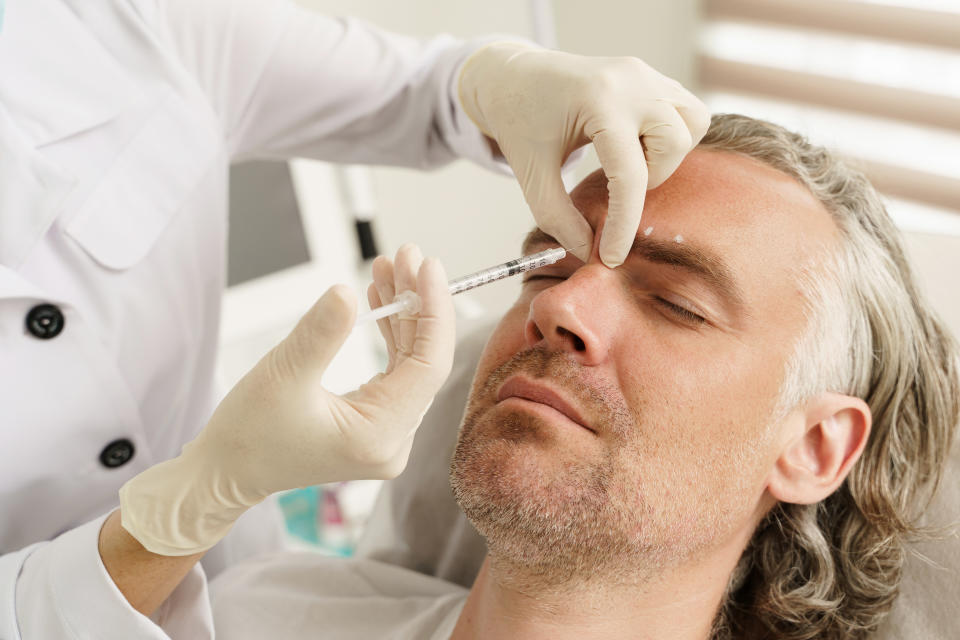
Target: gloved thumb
(553,209)
(321,332)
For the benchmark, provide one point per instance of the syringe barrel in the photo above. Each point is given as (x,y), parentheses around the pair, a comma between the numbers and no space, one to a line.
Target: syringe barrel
(480,278)
(409,301)
(505,270)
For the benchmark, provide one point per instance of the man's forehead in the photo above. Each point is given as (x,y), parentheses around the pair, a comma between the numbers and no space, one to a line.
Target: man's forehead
(737,207)
(744,228)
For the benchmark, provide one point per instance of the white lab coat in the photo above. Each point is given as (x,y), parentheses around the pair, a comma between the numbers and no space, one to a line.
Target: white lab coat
(118,119)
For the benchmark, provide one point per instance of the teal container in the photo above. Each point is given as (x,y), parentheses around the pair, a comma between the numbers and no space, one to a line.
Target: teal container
(313,515)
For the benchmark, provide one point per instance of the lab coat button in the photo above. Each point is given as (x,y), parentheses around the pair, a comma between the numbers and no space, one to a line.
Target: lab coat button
(45,321)
(117,453)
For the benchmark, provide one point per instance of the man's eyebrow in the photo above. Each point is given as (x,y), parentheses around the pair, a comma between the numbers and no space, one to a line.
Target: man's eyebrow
(537,237)
(697,260)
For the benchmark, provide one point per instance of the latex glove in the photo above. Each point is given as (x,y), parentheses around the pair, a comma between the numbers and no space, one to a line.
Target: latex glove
(279,429)
(541,105)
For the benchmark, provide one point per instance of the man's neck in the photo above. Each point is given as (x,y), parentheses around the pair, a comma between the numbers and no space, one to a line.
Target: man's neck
(679,604)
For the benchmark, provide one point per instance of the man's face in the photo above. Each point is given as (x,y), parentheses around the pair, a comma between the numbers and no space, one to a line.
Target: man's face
(623,417)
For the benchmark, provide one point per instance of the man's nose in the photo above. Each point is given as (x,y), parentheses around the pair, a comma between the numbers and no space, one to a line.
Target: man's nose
(577,315)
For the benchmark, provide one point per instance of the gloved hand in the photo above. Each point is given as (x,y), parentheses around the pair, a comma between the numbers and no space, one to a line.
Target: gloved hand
(279,429)
(541,105)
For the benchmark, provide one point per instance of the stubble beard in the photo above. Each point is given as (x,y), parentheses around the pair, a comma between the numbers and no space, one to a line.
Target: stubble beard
(558,525)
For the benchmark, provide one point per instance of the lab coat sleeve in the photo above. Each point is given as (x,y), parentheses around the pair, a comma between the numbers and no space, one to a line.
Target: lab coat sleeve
(60,590)
(286,81)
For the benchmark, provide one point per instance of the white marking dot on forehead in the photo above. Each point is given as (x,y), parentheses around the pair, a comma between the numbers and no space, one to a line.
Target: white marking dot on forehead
(678,238)
(648,231)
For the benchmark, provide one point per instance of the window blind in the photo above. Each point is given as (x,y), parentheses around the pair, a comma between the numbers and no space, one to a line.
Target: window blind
(879,80)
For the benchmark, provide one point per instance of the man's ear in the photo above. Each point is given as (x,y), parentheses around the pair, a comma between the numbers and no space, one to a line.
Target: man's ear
(824,439)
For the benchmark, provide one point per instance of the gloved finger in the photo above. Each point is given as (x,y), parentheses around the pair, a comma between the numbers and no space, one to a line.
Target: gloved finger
(621,157)
(666,140)
(323,329)
(400,457)
(554,210)
(416,379)
(383,280)
(389,326)
(694,113)
(383,324)
(405,268)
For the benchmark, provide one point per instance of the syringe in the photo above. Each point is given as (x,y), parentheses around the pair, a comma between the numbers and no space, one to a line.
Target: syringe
(409,301)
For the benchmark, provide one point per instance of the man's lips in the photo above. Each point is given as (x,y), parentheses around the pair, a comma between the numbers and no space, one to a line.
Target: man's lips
(521,387)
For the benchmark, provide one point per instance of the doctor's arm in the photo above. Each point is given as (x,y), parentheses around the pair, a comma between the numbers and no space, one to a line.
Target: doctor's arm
(279,429)
(145,579)
(285,81)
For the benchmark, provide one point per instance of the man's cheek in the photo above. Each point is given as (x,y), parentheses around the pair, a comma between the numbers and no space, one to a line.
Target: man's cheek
(506,340)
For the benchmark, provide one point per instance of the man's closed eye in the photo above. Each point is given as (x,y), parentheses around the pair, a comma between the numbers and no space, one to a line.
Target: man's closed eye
(680,312)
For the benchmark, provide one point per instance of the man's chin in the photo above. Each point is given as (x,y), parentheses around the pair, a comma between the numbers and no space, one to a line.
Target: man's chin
(529,500)
(510,462)
(504,458)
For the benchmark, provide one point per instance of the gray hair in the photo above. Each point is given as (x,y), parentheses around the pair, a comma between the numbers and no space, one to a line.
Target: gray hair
(832,570)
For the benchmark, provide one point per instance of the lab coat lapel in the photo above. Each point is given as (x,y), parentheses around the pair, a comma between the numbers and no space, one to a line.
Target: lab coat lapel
(13,285)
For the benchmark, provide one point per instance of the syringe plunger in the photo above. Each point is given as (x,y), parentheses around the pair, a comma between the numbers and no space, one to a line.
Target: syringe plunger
(406,301)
